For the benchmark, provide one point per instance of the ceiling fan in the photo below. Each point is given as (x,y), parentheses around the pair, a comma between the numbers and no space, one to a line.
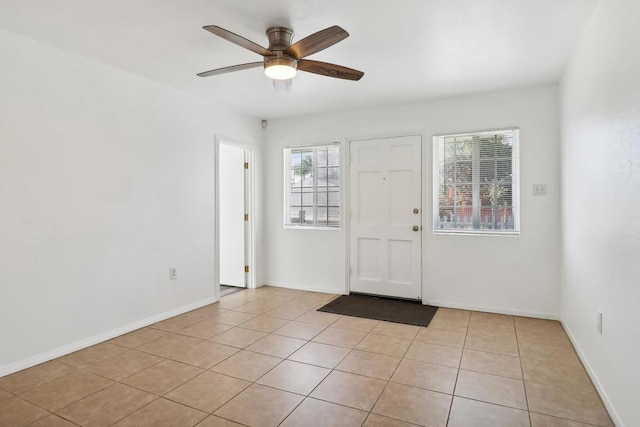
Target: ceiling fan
(281,59)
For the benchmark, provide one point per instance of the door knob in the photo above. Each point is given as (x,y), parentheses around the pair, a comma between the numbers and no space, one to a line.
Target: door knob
(415,228)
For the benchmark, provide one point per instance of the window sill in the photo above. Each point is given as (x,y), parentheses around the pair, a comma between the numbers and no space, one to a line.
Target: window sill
(311,227)
(477,233)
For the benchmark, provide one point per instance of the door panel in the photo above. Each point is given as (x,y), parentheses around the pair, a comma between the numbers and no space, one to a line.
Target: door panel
(232,210)
(385,188)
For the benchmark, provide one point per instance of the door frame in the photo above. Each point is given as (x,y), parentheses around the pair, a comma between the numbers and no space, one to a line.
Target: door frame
(249,197)
(425,202)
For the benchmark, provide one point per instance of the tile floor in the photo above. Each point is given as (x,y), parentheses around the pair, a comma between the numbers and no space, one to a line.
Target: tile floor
(265,357)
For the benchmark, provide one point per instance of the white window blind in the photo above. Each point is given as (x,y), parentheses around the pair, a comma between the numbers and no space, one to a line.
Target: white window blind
(312,186)
(476,183)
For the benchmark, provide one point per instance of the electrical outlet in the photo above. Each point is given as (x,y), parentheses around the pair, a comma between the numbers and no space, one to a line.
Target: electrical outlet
(539,189)
(173,273)
(600,322)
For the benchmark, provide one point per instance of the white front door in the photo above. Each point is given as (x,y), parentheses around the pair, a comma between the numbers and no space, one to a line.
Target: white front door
(386,217)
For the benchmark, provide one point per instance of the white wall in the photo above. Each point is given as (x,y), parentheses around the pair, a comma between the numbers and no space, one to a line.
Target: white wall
(503,274)
(106,181)
(600,95)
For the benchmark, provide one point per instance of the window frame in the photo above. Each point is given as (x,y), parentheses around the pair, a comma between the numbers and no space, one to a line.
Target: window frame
(515,185)
(286,217)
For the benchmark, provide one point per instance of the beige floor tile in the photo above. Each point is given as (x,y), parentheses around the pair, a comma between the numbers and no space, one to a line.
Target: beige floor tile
(498,345)
(213,421)
(176,323)
(340,337)
(256,307)
(36,376)
(397,330)
(163,413)
(163,377)
(319,318)
(264,323)
(4,395)
(539,420)
(238,337)
(50,421)
(556,373)
(206,311)
(542,331)
(491,363)
(288,313)
(18,412)
(300,330)
(575,405)
(205,355)
(426,375)
(208,391)
(503,319)
(91,355)
(205,329)
(351,390)
(383,344)
(276,345)
(168,345)
(414,405)
(375,420)
(138,337)
(66,390)
(318,413)
(434,353)
(441,336)
(355,324)
(107,406)
(289,293)
(124,365)
(491,389)
(326,356)
(236,300)
(247,365)
(452,316)
(369,364)
(443,324)
(493,329)
(549,353)
(465,412)
(295,377)
(233,318)
(260,406)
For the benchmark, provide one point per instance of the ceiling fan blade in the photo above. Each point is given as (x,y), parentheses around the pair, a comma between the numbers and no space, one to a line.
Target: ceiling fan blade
(329,70)
(231,69)
(239,40)
(316,42)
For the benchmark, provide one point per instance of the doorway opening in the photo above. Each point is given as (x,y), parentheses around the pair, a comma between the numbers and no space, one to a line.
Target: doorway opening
(235,218)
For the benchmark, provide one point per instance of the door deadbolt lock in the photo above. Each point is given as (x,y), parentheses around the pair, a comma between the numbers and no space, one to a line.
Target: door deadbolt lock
(416,210)
(415,228)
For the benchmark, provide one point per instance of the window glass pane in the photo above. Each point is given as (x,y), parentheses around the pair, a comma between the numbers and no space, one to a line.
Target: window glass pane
(475,182)
(313,193)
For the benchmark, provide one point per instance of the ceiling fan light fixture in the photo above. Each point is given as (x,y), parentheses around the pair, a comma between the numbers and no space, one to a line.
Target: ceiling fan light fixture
(280,68)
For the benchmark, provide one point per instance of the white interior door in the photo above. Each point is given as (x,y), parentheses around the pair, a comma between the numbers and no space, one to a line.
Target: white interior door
(231,175)
(386,217)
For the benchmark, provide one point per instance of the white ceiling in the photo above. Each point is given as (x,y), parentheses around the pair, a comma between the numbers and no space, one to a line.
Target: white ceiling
(409,49)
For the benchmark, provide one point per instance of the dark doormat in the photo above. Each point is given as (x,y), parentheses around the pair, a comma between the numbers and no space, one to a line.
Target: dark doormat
(380,308)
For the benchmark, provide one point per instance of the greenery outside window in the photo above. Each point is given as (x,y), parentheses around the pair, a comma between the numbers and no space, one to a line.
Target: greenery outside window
(476,183)
(312,186)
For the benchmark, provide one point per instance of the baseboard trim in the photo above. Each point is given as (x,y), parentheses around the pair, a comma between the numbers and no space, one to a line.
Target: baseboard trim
(594,378)
(498,310)
(96,339)
(304,288)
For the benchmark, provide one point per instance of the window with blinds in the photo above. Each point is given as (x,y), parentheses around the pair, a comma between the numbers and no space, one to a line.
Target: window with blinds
(476,187)
(312,186)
